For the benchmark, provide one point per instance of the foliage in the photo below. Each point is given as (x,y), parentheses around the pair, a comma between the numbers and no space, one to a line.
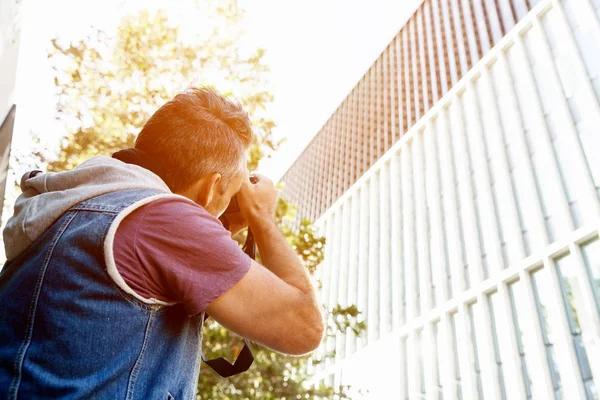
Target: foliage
(107,86)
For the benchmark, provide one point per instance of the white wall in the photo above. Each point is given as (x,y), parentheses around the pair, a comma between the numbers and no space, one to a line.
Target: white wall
(9,45)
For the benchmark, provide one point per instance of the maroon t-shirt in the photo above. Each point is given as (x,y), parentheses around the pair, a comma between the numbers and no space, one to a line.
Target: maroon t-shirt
(174,250)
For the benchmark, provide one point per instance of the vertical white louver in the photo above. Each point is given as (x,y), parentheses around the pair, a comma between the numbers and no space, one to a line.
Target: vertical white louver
(472,245)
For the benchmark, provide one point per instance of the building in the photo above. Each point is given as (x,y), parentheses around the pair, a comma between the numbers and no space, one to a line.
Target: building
(9,46)
(458,186)
(434,49)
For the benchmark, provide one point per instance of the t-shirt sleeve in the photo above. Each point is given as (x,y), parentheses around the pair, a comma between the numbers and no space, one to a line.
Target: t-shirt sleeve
(185,254)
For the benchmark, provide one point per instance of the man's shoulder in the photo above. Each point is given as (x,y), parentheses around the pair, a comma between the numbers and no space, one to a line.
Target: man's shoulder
(174,214)
(174,204)
(167,225)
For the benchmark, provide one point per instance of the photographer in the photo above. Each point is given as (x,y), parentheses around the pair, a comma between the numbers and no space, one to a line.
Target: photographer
(112,265)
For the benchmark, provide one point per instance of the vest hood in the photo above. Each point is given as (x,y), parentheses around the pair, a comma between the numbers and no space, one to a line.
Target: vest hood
(47,196)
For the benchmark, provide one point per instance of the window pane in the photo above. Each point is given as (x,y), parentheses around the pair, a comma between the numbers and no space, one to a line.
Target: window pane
(517,297)
(542,290)
(421,367)
(437,344)
(476,365)
(457,380)
(493,300)
(566,273)
(404,388)
(591,252)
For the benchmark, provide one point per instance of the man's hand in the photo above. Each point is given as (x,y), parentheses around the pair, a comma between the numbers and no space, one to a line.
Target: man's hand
(257,201)
(274,304)
(234,222)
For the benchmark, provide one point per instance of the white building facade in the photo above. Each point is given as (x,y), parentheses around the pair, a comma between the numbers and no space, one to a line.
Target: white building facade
(472,245)
(10,30)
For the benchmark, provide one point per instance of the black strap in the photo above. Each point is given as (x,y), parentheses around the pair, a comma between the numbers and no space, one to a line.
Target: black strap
(224,368)
(245,359)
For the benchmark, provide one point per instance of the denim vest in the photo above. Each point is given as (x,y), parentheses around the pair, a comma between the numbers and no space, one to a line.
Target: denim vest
(71,328)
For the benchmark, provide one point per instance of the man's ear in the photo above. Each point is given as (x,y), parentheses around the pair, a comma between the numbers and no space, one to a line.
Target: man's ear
(209,184)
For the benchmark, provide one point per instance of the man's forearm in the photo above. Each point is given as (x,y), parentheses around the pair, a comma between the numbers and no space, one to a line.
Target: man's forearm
(279,257)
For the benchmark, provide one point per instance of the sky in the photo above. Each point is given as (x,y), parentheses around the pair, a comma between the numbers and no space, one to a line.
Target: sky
(317,51)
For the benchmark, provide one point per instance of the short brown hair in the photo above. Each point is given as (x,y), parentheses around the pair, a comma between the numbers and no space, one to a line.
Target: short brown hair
(197,133)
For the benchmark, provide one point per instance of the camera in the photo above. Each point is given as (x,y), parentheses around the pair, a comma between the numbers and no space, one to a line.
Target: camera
(233,206)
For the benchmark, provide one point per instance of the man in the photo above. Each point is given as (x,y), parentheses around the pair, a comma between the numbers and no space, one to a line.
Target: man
(111,265)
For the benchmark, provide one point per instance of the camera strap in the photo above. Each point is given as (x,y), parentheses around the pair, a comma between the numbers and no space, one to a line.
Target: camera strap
(245,359)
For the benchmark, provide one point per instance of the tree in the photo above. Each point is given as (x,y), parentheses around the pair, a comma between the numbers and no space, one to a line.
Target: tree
(107,86)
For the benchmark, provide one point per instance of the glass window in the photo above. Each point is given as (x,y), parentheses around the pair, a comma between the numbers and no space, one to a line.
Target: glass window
(566,272)
(421,185)
(404,385)
(476,366)
(493,299)
(434,271)
(420,349)
(385,259)
(542,290)
(437,345)
(569,89)
(374,261)
(482,249)
(446,255)
(457,380)
(416,271)
(591,253)
(463,241)
(353,280)
(363,258)
(517,297)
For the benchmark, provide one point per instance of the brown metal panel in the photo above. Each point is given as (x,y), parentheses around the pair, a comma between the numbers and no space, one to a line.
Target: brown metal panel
(378,107)
(470,29)
(399,76)
(387,118)
(425,82)
(348,152)
(407,80)
(343,149)
(393,90)
(461,44)
(434,79)
(415,83)
(372,116)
